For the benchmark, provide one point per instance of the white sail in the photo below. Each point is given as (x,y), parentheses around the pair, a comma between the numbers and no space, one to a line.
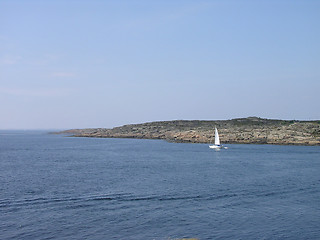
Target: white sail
(217,145)
(216,137)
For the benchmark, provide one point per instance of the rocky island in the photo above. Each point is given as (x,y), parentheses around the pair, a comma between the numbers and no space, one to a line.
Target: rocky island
(251,130)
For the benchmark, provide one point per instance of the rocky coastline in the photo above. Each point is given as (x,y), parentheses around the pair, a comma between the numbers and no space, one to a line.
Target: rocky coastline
(251,130)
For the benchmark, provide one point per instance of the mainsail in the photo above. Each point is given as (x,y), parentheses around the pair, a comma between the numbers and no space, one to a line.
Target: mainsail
(216,137)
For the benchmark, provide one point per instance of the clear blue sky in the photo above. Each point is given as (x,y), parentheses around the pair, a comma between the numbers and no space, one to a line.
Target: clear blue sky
(78,64)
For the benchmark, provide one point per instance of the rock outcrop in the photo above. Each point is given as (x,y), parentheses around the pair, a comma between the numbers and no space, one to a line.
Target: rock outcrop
(241,130)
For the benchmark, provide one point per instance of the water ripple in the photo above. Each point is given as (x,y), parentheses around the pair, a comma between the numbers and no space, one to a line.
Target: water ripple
(7,203)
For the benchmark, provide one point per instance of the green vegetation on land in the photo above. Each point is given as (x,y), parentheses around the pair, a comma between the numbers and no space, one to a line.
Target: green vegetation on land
(239,130)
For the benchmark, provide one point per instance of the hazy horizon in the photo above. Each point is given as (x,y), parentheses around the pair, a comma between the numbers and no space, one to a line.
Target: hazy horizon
(90,64)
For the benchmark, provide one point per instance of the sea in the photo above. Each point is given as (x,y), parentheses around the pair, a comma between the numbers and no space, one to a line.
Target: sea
(62,187)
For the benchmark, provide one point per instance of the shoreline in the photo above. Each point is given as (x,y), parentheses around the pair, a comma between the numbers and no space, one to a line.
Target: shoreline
(170,141)
(250,130)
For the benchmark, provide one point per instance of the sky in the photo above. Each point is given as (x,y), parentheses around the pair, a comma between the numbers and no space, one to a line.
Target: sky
(87,64)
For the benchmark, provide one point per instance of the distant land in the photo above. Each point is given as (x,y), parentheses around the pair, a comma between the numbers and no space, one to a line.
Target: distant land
(251,130)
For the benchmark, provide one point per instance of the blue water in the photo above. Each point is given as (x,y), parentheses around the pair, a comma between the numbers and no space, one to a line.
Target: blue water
(56,187)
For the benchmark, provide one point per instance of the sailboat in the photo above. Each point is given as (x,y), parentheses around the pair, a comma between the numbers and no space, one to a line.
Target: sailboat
(217,144)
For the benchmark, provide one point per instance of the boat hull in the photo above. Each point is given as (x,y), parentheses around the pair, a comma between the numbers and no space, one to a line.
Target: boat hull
(215,146)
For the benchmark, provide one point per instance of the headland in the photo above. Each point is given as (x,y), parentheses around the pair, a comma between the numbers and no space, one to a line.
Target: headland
(251,130)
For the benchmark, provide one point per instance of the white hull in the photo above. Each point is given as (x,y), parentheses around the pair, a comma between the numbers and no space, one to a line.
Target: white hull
(215,146)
